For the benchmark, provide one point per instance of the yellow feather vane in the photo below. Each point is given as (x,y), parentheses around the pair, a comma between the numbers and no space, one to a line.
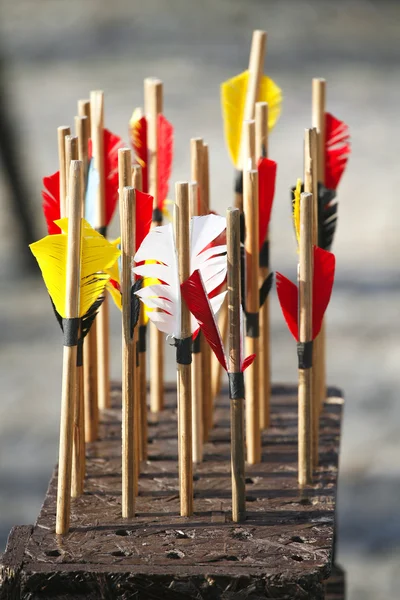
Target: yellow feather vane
(97,255)
(296,210)
(233,99)
(115,294)
(113,271)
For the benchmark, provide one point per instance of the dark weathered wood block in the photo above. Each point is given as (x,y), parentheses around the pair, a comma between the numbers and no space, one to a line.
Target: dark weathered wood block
(283,550)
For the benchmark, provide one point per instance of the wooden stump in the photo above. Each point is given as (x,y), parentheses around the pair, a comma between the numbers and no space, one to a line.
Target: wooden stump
(283,550)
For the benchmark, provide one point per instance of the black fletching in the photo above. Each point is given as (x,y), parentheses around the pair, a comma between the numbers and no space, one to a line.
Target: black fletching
(238,185)
(266,288)
(327,214)
(135,304)
(89,317)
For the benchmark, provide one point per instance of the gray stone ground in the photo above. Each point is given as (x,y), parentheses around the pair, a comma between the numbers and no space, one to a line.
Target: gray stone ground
(58,51)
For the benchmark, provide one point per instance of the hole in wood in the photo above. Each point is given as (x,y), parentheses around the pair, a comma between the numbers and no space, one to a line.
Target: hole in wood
(122,532)
(53,553)
(249,480)
(296,557)
(297,538)
(251,499)
(119,553)
(176,554)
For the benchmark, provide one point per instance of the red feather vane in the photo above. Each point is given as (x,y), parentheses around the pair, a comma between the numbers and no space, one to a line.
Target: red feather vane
(337,150)
(51,202)
(144,211)
(51,193)
(288,293)
(165,140)
(138,134)
(195,296)
(112,143)
(266,191)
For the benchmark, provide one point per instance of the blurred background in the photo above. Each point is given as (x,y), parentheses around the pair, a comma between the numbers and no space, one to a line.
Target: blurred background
(53,53)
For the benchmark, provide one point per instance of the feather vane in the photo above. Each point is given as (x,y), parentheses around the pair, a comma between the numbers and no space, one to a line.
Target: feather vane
(157,259)
(97,255)
(337,150)
(165,142)
(266,192)
(51,201)
(288,293)
(138,135)
(233,100)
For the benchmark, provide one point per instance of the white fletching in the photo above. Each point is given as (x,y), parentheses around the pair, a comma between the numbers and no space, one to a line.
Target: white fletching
(159,246)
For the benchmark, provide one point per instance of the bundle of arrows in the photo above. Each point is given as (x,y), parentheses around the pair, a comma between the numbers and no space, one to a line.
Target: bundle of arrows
(183,275)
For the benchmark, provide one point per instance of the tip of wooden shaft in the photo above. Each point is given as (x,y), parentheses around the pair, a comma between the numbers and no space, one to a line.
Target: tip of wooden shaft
(232,210)
(65,128)
(305,196)
(259,33)
(96,93)
(81,118)
(153,81)
(319,80)
(76,165)
(124,150)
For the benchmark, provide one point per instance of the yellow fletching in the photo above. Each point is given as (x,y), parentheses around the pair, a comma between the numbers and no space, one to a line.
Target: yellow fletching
(115,295)
(272,94)
(296,210)
(233,100)
(97,254)
(113,271)
(165,210)
(136,116)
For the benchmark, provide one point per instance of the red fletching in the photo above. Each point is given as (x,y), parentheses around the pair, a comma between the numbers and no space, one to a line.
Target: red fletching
(115,284)
(51,194)
(337,150)
(195,296)
(144,211)
(51,202)
(324,274)
(112,143)
(247,362)
(266,192)
(139,144)
(165,137)
(288,299)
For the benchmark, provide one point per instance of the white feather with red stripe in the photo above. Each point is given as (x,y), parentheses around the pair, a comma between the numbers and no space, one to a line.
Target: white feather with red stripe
(159,245)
